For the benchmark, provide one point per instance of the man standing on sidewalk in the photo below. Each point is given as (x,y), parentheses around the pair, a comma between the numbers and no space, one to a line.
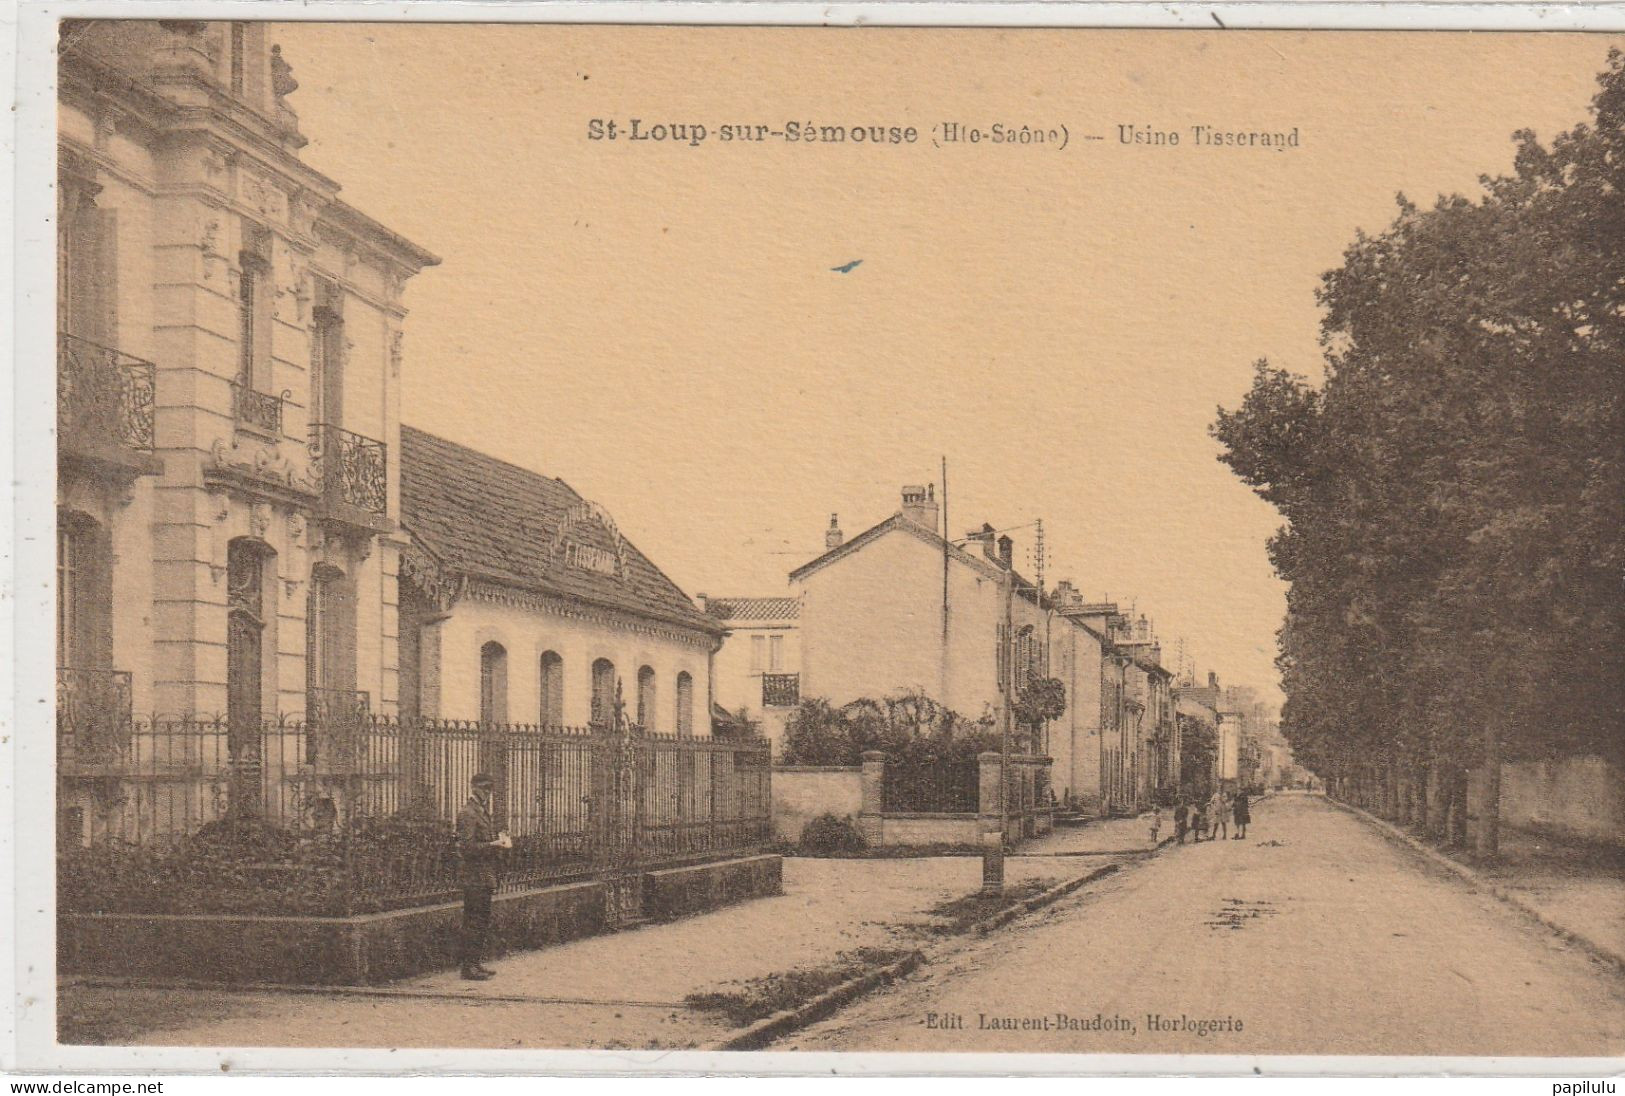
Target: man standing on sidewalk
(480,844)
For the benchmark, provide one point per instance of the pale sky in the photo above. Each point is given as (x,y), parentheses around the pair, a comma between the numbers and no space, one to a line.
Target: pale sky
(659,325)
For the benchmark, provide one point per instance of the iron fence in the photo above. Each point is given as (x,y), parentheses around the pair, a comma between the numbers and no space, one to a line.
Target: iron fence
(357,813)
(103,394)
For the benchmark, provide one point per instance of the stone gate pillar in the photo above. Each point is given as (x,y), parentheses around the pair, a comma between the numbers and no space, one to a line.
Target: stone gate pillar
(870,823)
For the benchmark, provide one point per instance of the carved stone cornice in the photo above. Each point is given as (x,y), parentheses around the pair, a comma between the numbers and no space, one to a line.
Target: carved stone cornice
(441,587)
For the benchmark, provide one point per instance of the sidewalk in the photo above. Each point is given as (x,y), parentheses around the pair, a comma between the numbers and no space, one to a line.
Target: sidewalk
(621,990)
(1098,838)
(1576,889)
(1580,888)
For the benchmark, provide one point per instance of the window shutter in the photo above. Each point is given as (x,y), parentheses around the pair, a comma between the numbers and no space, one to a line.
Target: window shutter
(106,274)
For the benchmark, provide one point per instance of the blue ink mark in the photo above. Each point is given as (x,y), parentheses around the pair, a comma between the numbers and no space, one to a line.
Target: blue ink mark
(846,268)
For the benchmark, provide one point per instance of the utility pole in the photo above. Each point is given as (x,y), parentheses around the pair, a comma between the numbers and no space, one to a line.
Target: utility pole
(993,851)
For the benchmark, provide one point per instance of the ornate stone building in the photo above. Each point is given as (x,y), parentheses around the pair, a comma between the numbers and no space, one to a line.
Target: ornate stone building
(229,378)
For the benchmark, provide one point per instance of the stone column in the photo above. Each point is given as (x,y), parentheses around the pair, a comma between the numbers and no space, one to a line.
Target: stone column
(874,774)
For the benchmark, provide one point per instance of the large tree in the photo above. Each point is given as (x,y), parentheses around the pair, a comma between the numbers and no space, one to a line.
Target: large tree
(1454,492)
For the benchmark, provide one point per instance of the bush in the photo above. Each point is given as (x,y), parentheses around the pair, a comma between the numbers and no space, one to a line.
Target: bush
(831,833)
(911,730)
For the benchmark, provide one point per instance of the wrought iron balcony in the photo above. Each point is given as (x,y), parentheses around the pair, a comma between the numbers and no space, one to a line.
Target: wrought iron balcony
(781,690)
(256,410)
(103,395)
(93,714)
(353,470)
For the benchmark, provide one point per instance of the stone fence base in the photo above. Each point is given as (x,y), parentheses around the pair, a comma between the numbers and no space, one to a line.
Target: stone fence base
(381,947)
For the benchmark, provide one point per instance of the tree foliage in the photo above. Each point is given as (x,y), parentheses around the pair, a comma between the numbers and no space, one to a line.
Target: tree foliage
(1454,492)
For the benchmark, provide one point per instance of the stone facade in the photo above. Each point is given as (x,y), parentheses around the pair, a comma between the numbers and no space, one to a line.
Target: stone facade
(229,377)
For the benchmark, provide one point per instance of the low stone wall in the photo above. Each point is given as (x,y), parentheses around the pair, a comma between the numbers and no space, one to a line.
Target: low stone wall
(930,829)
(803,792)
(380,947)
(677,892)
(1576,797)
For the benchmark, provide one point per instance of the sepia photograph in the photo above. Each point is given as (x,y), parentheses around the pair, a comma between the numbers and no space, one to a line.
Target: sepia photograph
(832,540)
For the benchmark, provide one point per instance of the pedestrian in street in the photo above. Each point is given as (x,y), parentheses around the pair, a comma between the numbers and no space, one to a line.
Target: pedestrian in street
(1156,825)
(1199,821)
(1243,814)
(481,844)
(1219,812)
(1182,819)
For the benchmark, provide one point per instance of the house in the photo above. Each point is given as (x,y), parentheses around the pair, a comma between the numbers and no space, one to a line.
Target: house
(899,608)
(1129,756)
(522,602)
(229,366)
(757,671)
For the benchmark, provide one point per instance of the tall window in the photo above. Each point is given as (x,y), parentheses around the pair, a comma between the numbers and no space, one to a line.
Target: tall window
(552,689)
(86,254)
(685,703)
(758,654)
(603,692)
(69,560)
(247,623)
(329,639)
(253,283)
(493,683)
(775,653)
(326,356)
(646,697)
(84,593)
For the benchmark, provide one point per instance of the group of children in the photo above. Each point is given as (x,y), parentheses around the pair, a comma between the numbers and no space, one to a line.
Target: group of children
(1207,819)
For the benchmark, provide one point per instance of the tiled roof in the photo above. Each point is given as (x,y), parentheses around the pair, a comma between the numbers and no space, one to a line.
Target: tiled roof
(754,608)
(486,518)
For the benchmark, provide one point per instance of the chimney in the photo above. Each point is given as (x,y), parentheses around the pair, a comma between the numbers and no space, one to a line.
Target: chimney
(920,505)
(1066,595)
(1007,553)
(700,598)
(833,537)
(984,536)
(1212,680)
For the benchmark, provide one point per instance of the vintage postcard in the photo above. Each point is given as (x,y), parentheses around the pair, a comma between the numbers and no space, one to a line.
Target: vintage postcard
(827,540)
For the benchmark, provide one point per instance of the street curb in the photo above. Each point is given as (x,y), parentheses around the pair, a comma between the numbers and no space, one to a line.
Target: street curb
(1597,949)
(1040,900)
(780,1024)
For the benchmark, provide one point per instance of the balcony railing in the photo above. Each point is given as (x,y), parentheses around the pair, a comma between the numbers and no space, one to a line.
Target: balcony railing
(103,394)
(93,713)
(781,690)
(254,409)
(353,470)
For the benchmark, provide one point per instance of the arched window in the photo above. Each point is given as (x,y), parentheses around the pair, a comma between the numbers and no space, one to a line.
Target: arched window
(685,703)
(248,622)
(646,697)
(552,689)
(493,683)
(603,692)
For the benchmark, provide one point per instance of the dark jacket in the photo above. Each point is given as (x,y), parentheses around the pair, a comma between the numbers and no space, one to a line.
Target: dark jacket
(1243,812)
(475,830)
